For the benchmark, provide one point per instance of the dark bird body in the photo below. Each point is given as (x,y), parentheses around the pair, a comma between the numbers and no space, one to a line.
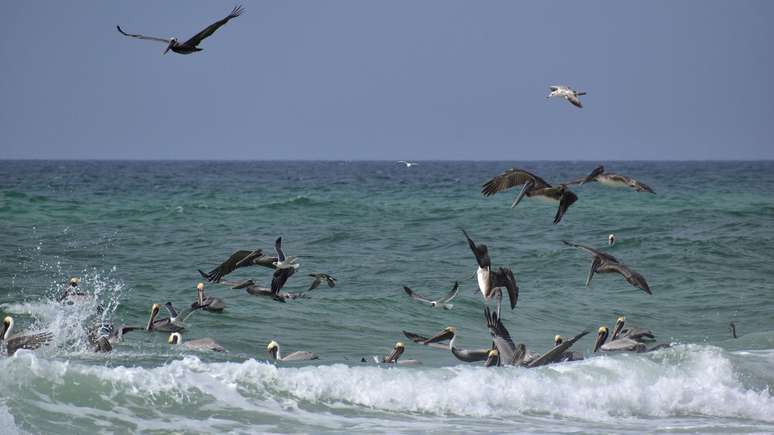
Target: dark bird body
(605,263)
(532,186)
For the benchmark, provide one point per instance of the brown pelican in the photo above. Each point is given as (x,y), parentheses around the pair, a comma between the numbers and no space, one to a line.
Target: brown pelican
(567,93)
(198,344)
(606,263)
(557,354)
(612,180)
(532,185)
(189,46)
(239,259)
(621,344)
(394,356)
(450,333)
(319,278)
(611,239)
(72,295)
(732,327)
(635,333)
(20,341)
(174,323)
(510,354)
(491,281)
(440,303)
(274,350)
(106,334)
(208,303)
(568,355)
(492,358)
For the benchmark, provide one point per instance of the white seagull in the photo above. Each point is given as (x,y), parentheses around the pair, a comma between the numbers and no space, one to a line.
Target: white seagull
(567,93)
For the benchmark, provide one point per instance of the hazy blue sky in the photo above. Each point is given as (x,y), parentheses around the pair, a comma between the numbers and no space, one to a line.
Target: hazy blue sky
(389,80)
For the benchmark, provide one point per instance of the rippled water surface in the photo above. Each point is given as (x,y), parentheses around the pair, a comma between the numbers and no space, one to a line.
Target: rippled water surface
(136,232)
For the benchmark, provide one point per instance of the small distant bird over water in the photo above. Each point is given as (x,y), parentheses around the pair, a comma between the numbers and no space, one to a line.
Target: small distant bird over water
(567,93)
(408,164)
(189,46)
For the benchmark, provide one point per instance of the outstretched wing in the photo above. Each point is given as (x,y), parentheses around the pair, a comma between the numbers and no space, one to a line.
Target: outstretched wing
(480,251)
(147,38)
(631,182)
(510,178)
(197,39)
(416,297)
(503,277)
(605,256)
(316,282)
(575,101)
(238,259)
(30,342)
(416,338)
(500,336)
(555,354)
(279,278)
(568,198)
(630,275)
(452,293)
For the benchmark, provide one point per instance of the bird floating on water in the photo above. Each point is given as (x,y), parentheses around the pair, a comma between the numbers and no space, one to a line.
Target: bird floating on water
(176,338)
(450,333)
(274,350)
(567,93)
(21,341)
(189,46)
(238,259)
(208,303)
(611,239)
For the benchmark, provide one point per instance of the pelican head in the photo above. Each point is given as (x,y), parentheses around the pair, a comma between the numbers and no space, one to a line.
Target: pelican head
(558,340)
(154,312)
(611,239)
(74,281)
(200,293)
(492,358)
(602,333)
(7,327)
(172,43)
(397,351)
(446,334)
(175,338)
(273,349)
(200,286)
(619,324)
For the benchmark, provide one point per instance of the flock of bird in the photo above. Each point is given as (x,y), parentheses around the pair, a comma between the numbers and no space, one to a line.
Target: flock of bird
(491,280)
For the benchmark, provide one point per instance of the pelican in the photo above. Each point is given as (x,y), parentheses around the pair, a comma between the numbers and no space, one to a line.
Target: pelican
(612,180)
(256,290)
(439,303)
(450,333)
(319,278)
(198,344)
(611,240)
(732,328)
(408,164)
(606,263)
(208,303)
(394,356)
(532,185)
(20,341)
(71,293)
(174,323)
(492,358)
(557,354)
(490,282)
(621,344)
(635,333)
(568,355)
(274,350)
(567,93)
(242,258)
(509,353)
(104,335)
(189,46)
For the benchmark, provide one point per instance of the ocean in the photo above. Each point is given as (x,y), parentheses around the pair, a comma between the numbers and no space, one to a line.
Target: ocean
(136,232)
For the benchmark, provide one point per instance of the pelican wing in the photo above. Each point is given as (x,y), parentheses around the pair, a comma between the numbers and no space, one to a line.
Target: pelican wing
(279,279)
(567,199)
(170,309)
(316,282)
(449,296)
(238,259)
(147,38)
(197,39)
(631,182)
(629,275)
(555,354)
(603,255)
(420,339)
(30,342)
(503,277)
(510,178)
(470,355)
(500,336)
(575,101)
(416,296)
(330,280)
(300,355)
(623,345)
(278,249)
(480,251)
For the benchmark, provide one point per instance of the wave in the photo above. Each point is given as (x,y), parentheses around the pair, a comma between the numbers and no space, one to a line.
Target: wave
(689,381)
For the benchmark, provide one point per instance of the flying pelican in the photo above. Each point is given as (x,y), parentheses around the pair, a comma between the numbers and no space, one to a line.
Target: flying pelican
(319,278)
(490,282)
(20,341)
(532,185)
(611,239)
(440,303)
(394,356)
(621,344)
(567,93)
(612,180)
(242,258)
(606,263)
(198,344)
(408,164)
(189,46)
(208,303)
(274,350)
(174,323)
(450,333)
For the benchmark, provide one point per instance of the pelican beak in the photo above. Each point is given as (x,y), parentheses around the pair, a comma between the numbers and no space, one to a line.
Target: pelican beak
(154,313)
(619,324)
(169,46)
(444,335)
(492,359)
(601,337)
(397,351)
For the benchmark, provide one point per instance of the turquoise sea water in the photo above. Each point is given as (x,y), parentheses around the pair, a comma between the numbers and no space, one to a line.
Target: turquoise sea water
(137,231)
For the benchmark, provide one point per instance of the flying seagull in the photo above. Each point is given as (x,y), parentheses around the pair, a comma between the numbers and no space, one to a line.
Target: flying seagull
(408,164)
(567,93)
(612,180)
(491,281)
(440,303)
(606,263)
(319,278)
(532,185)
(189,46)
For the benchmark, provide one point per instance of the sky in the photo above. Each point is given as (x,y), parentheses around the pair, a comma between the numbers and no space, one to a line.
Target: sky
(388,80)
